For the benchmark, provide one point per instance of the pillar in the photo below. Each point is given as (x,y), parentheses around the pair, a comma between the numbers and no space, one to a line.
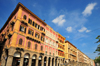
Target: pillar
(9,61)
(57,63)
(42,61)
(47,61)
(36,62)
(54,62)
(21,61)
(30,61)
(51,62)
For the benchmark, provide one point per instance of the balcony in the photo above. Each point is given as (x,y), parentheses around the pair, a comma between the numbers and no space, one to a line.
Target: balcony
(24,22)
(3,33)
(41,52)
(13,22)
(43,33)
(60,49)
(61,43)
(73,54)
(10,33)
(6,37)
(21,46)
(29,37)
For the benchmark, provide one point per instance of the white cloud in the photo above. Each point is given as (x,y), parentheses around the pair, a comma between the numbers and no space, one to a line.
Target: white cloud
(88,31)
(82,29)
(69,29)
(67,36)
(84,44)
(88,9)
(59,20)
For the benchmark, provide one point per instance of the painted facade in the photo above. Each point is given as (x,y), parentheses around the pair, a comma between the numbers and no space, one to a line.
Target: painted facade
(26,40)
(71,53)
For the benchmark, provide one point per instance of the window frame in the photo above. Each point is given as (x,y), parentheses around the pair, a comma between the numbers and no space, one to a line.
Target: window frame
(29,44)
(35,46)
(25,17)
(21,42)
(24,28)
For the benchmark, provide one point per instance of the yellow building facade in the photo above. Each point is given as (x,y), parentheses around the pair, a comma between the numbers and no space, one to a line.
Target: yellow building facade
(25,39)
(70,53)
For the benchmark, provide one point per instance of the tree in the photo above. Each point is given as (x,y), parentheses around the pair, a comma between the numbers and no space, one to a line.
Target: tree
(98,47)
(97,60)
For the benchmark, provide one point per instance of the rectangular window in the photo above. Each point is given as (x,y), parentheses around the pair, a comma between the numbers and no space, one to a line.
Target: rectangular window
(22,29)
(36,25)
(46,52)
(30,21)
(37,36)
(12,27)
(29,32)
(33,23)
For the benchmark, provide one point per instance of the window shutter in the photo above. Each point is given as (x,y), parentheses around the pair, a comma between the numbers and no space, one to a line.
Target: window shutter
(20,28)
(25,30)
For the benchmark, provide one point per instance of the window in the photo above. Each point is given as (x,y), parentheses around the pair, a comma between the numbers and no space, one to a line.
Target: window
(12,27)
(41,28)
(15,17)
(37,35)
(45,52)
(49,53)
(9,40)
(42,38)
(29,44)
(22,29)
(41,48)
(53,54)
(33,23)
(20,41)
(36,25)
(35,46)
(30,21)
(30,32)
(25,17)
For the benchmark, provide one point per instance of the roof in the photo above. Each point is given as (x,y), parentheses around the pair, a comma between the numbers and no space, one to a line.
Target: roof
(70,43)
(15,10)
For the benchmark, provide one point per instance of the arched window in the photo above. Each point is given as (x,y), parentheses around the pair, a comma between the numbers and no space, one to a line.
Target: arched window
(41,48)
(35,46)
(25,17)
(29,44)
(20,41)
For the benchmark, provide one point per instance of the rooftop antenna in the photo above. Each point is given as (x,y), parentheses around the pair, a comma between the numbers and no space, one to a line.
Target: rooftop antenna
(44,20)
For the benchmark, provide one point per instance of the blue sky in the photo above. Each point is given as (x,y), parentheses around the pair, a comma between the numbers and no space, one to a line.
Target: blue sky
(77,20)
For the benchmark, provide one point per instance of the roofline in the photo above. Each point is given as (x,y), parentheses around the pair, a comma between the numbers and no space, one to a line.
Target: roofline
(61,35)
(15,10)
(70,43)
(83,53)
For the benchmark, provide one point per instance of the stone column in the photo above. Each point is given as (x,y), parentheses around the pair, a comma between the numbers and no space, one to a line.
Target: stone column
(9,61)
(42,61)
(54,62)
(60,62)
(21,61)
(30,61)
(37,59)
(51,62)
(47,61)
(57,63)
